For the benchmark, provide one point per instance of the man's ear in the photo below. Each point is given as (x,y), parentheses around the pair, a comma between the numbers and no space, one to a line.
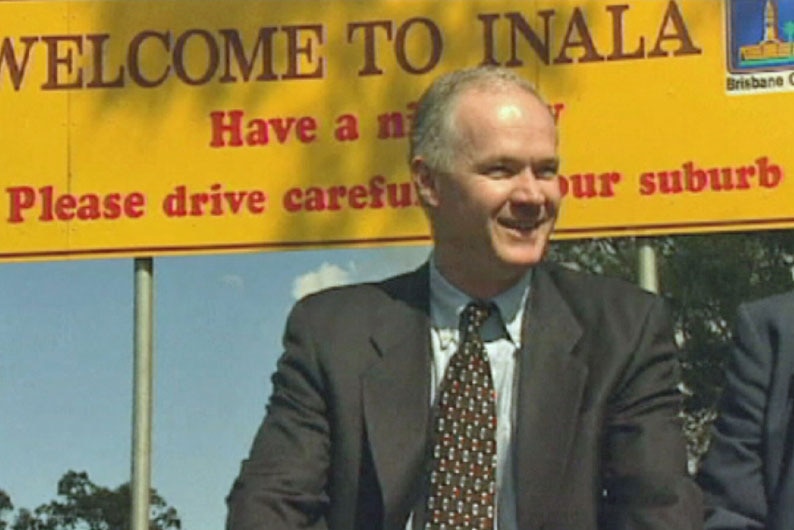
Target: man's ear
(425,181)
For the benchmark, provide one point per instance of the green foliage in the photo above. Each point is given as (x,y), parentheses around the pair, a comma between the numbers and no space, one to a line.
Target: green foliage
(82,505)
(704,278)
(5,508)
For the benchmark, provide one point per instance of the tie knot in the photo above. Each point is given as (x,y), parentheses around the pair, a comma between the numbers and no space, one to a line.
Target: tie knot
(474,315)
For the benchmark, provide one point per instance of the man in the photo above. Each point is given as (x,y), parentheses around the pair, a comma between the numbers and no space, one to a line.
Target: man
(557,411)
(747,476)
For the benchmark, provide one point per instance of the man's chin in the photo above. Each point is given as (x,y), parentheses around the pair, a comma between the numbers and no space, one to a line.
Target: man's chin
(524,253)
(522,259)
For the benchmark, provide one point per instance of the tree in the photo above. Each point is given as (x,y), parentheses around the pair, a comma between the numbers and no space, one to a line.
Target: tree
(704,278)
(5,507)
(82,505)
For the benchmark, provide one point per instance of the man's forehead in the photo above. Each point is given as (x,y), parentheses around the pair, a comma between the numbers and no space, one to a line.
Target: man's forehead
(509,107)
(502,107)
(509,111)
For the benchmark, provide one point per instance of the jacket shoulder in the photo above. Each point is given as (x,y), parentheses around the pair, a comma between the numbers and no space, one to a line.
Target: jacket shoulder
(595,290)
(409,288)
(776,307)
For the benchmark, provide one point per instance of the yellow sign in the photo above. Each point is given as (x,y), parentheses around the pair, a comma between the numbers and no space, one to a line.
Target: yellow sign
(150,127)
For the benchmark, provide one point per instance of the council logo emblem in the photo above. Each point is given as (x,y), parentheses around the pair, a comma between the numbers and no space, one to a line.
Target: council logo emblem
(760,46)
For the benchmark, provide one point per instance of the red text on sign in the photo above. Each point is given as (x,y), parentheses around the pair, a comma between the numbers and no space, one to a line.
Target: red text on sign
(378,194)
(590,185)
(693,179)
(232,129)
(49,205)
(216,201)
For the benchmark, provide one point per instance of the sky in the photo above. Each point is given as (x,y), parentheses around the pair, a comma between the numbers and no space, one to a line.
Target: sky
(66,366)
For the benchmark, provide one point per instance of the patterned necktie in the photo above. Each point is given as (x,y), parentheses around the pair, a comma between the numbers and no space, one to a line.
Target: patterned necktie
(463,476)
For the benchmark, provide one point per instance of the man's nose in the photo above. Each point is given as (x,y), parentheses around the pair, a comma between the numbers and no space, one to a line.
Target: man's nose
(527,189)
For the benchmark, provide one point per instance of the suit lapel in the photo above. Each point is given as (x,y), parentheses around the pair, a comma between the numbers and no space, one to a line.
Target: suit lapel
(396,395)
(550,388)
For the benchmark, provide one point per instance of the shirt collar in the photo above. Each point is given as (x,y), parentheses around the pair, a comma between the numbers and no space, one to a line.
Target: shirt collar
(447,302)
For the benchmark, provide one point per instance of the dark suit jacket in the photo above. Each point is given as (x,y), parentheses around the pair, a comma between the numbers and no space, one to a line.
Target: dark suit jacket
(597,444)
(747,475)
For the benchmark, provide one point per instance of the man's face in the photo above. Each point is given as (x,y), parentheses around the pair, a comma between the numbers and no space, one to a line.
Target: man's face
(494,209)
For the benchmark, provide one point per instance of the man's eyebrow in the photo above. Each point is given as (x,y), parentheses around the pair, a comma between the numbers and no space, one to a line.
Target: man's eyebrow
(546,160)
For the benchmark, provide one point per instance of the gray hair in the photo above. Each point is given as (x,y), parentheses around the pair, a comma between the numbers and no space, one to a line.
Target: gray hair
(433,130)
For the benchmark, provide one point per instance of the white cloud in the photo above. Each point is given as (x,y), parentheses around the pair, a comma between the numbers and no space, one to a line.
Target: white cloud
(370,265)
(327,275)
(381,263)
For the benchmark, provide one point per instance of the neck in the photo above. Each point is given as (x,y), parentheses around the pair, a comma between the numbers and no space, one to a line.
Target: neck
(478,284)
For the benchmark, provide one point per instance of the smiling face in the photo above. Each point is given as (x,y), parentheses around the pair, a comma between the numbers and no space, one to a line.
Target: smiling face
(492,211)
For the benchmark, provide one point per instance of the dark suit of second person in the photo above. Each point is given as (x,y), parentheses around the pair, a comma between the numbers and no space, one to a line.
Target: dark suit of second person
(748,475)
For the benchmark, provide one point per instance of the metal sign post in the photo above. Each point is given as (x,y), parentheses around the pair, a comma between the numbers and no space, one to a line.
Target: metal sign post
(647,271)
(142,394)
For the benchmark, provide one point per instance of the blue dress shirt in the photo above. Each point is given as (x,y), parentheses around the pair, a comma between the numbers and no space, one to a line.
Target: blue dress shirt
(502,336)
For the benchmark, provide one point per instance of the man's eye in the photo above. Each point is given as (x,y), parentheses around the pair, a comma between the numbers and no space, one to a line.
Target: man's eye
(498,171)
(546,172)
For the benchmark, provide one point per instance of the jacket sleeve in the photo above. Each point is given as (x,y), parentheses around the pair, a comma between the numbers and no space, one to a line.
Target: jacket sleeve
(646,481)
(283,483)
(732,473)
